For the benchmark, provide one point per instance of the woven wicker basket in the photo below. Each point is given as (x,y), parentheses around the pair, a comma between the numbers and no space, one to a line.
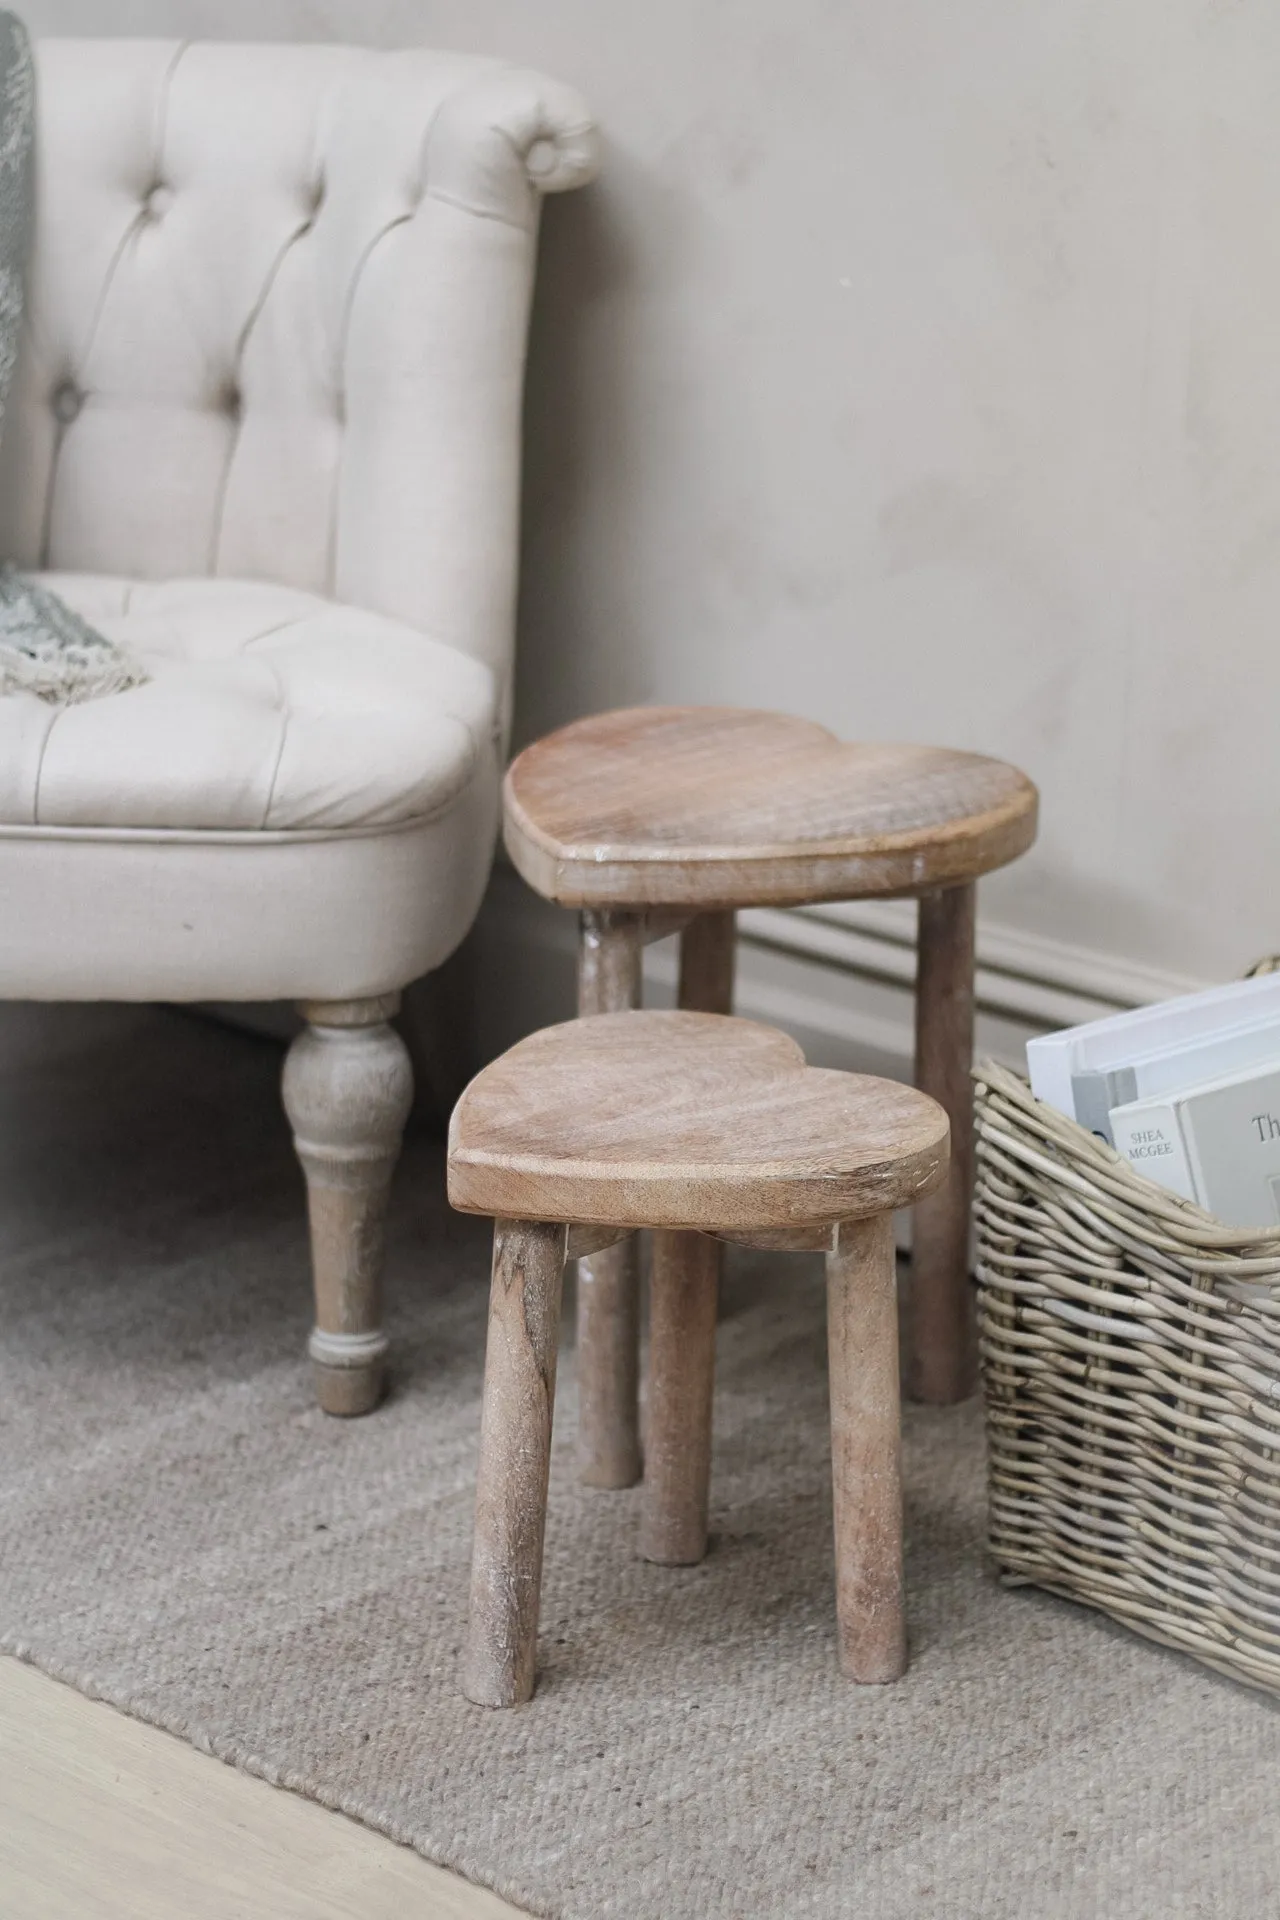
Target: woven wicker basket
(1131,1365)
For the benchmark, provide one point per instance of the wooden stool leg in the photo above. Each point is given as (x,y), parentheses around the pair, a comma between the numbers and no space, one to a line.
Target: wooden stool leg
(683,1284)
(862,1344)
(608,1315)
(515,1461)
(684,1287)
(707,952)
(942,1348)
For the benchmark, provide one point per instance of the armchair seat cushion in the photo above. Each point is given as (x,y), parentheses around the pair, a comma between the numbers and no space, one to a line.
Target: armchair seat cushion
(268,709)
(275,331)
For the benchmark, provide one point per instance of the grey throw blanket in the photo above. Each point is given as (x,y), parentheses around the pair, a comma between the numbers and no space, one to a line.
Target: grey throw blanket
(45,648)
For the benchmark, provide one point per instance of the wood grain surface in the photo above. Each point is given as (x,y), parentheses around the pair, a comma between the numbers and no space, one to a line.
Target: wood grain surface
(722,807)
(683,1295)
(515,1462)
(607,1298)
(942,1344)
(348,1089)
(866,1463)
(696,1120)
(684,1292)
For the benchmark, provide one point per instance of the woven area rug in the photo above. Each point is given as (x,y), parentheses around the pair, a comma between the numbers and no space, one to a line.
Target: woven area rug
(183,1534)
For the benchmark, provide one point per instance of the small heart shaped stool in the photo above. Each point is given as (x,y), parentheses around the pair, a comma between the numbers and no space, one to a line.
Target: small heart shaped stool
(704,1128)
(652,820)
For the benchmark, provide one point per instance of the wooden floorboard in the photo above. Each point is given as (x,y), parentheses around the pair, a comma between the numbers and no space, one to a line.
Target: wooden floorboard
(101,1815)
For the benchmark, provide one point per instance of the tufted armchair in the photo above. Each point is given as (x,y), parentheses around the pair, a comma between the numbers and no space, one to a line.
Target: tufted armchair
(265,432)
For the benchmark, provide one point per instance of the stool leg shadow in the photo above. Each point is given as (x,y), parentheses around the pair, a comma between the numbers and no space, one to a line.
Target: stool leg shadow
(515,1462)
(862,1345)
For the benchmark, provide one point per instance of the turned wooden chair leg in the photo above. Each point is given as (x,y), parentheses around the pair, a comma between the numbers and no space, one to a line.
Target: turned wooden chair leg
(683,1281)
(348,1087)
(684,1286)
(862,1345)
(942,1345)
(515,1462)
(608,1303)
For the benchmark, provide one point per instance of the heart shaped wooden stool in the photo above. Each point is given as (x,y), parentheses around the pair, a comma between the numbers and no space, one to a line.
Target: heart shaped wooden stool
(705,1128)
(655,819)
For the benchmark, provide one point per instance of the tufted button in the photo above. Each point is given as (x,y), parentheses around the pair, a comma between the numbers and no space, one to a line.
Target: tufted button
(315,195)
(158,201)
(230,399)
(542,159)
(66,402)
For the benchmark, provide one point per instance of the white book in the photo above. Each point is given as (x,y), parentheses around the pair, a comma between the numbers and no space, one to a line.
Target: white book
(1103,1046)
(1218,1144)
(1147,1133)
(1189,1063)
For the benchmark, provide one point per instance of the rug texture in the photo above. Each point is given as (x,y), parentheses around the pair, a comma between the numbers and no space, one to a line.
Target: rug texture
(183,1534)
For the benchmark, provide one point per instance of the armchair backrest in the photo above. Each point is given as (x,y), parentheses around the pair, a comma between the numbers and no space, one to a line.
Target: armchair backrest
(276,321)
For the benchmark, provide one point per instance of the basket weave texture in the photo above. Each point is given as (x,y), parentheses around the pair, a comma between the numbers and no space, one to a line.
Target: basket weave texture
(1131,1370)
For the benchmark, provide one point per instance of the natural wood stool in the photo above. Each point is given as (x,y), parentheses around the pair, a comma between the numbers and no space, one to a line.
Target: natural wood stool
(656,819)
(693,1124)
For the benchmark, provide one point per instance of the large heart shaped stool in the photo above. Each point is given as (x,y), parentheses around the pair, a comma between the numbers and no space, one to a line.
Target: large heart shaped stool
(704,1128)
(656,819)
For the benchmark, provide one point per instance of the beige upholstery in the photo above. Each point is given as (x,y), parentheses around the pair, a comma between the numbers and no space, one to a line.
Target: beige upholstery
(265,429)
(266,708)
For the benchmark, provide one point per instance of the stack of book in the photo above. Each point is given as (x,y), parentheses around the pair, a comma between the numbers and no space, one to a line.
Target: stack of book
(1188,1091)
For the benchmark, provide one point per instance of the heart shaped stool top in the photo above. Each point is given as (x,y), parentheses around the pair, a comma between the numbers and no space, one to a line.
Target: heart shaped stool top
(719,807)
(686,1120)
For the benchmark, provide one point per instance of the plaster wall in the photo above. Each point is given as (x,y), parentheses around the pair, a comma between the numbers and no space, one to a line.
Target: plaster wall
(915,367)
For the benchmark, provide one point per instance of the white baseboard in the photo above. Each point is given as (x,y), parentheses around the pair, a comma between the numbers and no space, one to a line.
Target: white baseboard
(838,977)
